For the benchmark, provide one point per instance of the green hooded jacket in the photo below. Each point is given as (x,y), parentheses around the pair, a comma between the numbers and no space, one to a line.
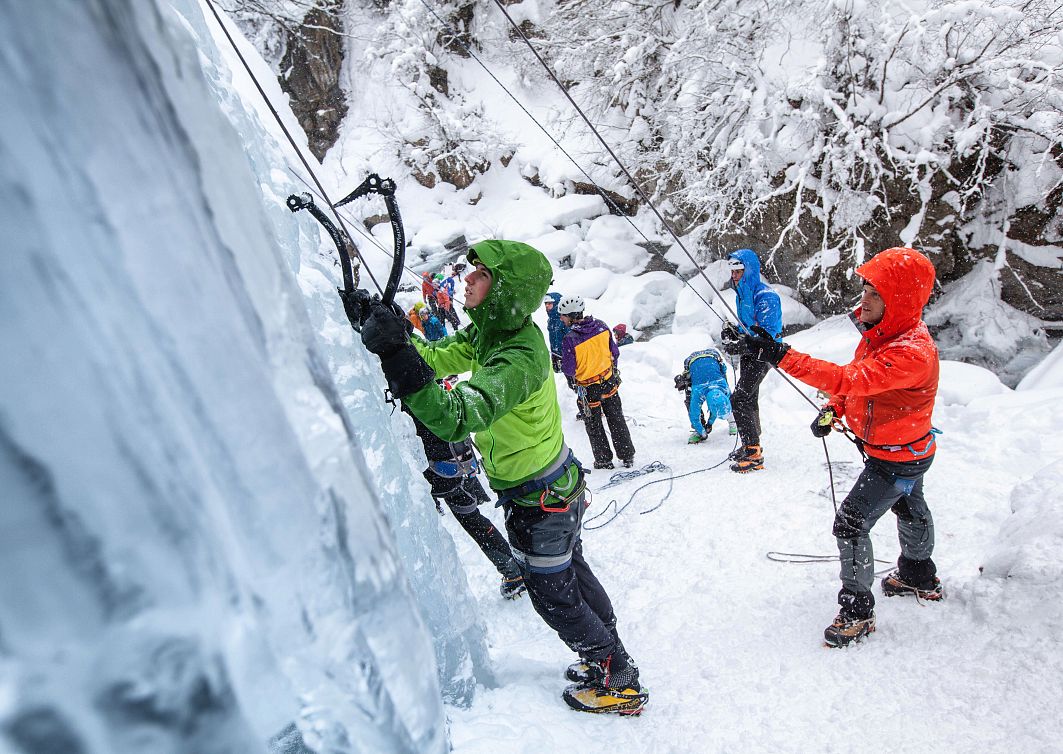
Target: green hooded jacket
(509,404)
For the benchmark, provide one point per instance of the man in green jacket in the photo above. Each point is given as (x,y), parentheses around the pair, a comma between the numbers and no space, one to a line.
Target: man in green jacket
(509,406)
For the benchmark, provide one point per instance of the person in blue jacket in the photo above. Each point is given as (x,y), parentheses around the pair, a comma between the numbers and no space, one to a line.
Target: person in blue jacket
(758,306)
(433,328)
(704,379)
(555,328)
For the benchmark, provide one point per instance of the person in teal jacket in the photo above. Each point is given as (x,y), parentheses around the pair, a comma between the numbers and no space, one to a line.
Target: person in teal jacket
(509,406)
(554,327)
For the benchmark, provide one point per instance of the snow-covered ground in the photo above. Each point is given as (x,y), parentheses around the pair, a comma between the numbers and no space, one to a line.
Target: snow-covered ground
(213,527)
(729,642)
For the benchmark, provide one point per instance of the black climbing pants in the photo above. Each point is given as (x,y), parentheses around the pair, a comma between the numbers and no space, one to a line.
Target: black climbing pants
(745,401)
(604,398)
(574,603)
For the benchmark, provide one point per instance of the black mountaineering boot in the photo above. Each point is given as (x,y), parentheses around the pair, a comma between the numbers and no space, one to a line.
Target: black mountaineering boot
(855,620)
(895,586)
(616,689)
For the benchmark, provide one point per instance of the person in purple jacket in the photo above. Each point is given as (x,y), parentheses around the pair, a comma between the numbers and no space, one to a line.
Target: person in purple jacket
(588,358)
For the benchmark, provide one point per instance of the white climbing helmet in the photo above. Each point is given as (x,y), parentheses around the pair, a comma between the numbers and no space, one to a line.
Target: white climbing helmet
(570,305)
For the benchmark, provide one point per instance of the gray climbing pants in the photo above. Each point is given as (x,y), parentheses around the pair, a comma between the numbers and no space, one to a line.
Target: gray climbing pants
(882,486)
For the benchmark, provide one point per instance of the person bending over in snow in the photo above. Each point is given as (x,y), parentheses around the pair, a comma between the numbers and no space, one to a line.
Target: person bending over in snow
(758,305)
(704,379)
(509,406)
(886,394)
(588,357)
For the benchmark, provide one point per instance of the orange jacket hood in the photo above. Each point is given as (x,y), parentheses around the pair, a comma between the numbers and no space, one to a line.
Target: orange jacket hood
(905,279)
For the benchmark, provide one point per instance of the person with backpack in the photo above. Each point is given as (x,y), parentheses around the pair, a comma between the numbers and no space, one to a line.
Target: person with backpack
(448,284)
(428,292)
(886,395)
(433,328)
(758,306)
(704,379)
(588,358)
(509,406)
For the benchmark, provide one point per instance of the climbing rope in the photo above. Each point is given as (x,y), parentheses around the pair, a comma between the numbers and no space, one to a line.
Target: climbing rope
(624,476)
(800,558)
(348,281)
(456,37)
(613,506)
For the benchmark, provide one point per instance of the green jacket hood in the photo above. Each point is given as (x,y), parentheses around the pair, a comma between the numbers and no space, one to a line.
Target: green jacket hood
(520,279)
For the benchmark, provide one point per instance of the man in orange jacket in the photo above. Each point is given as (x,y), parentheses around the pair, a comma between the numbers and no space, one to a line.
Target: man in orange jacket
(886,394)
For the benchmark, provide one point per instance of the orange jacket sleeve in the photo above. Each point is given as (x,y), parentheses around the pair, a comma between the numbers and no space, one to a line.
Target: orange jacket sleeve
(877,372)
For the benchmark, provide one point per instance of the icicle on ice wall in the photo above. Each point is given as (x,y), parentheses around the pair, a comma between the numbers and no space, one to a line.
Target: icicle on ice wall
(192,553)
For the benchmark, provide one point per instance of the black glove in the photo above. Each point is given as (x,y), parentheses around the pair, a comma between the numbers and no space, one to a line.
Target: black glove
(765,348)
(384,332)
(682,381)
(731,340)
(356,304)
(824,419)
(555,360)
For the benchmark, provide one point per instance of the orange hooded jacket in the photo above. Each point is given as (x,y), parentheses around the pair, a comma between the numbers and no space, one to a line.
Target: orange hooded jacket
(886,393)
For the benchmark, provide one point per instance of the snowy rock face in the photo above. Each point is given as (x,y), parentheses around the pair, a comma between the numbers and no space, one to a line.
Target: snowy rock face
(197,551)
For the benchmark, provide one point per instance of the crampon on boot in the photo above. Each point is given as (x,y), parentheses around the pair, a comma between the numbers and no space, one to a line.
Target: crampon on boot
(613,690)
(894,586)
(603,464)
(696,437)
(845,629)
(748,458)
(512,587)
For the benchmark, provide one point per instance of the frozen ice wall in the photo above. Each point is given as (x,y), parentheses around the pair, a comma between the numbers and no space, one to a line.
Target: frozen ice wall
(196,549)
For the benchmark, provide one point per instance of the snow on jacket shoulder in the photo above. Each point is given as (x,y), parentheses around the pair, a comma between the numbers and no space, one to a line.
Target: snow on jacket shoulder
(886,393)
(589,352)
(757,303)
